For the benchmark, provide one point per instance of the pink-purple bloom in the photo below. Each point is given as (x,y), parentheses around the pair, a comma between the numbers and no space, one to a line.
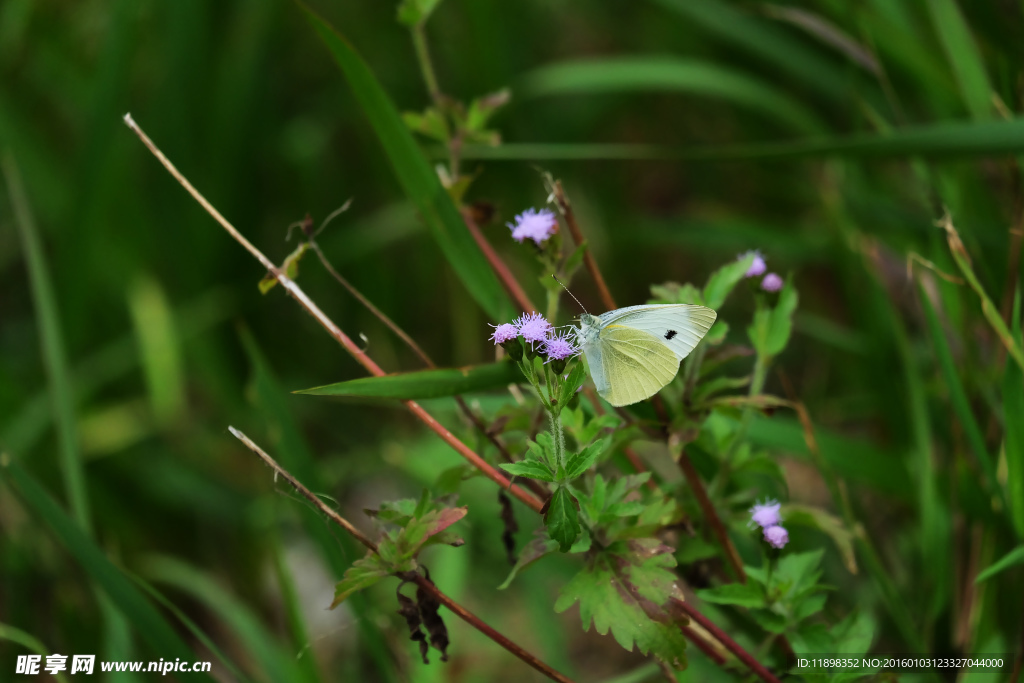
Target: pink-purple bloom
(560,345)
(533,327)
(766,514)
(504,333)
(771,283)
(776,536)
(757,267)
(533,224)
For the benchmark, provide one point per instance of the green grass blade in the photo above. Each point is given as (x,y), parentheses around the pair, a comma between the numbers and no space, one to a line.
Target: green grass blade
(937,140)
(416,176)
(425,383)
(242,622)
(958,396)
(29,642)
(765,41)
(145,619)
(54,353)
(1010,559)
(1013,414)
(668,74)
(292,608)
(159,349)
(964,57)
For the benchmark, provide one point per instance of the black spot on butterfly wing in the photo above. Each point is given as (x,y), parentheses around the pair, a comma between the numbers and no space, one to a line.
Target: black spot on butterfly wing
(670,334)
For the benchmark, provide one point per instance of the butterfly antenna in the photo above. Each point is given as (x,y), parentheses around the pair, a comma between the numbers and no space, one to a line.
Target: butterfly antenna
(570,294)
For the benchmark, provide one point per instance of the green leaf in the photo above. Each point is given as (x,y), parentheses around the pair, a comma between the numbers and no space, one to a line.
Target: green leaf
(675,293)
(809,606)
(759,402)
(723,280)
(425,383)
(781,320)
(713,386)
(571,384)
(628,588)
(539,546)
(770,621)
(963,55)
(812,638)
(290,267)
(854,633)
(159,349)
(742,594)
(1013,446)
(146,620)
(579,463)
(430,124)
(543,449)
(1010,559)
(668,74)
(534,469)
(362,574)
(29,642)
(796,571)
(827,523)
(423,531)
(562,519)
(415,175)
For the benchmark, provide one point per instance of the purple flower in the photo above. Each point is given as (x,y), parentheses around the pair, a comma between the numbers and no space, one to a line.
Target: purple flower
(560,345)
(504,332)
(533,327)
(776,536)
(766,514)
(757,267)
(771,283)
(534,225)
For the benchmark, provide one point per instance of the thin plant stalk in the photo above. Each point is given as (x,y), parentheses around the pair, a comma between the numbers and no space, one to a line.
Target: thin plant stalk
(420,581)
(505,276)
(565,208)
(755,666)
(357,353)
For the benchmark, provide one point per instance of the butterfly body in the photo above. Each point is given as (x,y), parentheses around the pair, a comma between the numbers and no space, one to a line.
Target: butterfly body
(633,352)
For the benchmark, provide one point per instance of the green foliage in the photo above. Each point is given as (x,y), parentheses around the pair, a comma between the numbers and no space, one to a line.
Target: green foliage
(562,518)
(772,325)
(628,588)
(423,383)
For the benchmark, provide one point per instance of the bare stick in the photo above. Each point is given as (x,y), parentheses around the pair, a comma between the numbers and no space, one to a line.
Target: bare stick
(508,280)
(360,356)
(730,644)
(565,208)
(422,582)
(695,482)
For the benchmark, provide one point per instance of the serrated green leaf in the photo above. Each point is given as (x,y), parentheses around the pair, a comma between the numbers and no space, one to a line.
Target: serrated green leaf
(809,606)
(627,589)
(362,574)
(579,463)
(543,449)
(795,570)
(723,280)
(562,519)
(770,621)
(417,178)
(742,594)
(533,469)
(675,293)
(424,531)
(855,633)
(424,383)
(812,638)
(577,375)
(1010,559)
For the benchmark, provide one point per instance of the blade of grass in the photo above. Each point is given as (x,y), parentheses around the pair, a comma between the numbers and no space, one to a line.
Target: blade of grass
(242,622)
(958,397)
(146,620)
(417,178)
(946,139)
(293,611)
(29,642)
(425,383)
(159,349)
(1010,559)
(964,57)
(1013,445)
(668,74)
(54,355)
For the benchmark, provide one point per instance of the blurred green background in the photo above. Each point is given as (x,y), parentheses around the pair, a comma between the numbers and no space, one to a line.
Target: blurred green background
(167,339)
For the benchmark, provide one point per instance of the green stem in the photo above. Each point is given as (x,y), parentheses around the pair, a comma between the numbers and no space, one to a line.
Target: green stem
(419,43)
(552,301)
(756,386)
(559,438)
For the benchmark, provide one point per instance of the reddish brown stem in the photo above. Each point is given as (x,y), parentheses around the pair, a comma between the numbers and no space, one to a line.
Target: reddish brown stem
(729,644)
(423,583)
(565,208)
(508,280)
(358,354)
(703,645)
(695,482)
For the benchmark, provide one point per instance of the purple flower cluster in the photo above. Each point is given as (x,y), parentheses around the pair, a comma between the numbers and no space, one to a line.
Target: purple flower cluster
(556,344)
(771,282)
(535,225)
(766,515)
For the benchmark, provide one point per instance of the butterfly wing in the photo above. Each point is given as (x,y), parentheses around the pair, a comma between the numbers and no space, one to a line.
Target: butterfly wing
(680,326)
(634,364)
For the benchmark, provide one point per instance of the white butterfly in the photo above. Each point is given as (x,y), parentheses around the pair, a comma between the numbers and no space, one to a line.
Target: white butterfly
(633,352)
